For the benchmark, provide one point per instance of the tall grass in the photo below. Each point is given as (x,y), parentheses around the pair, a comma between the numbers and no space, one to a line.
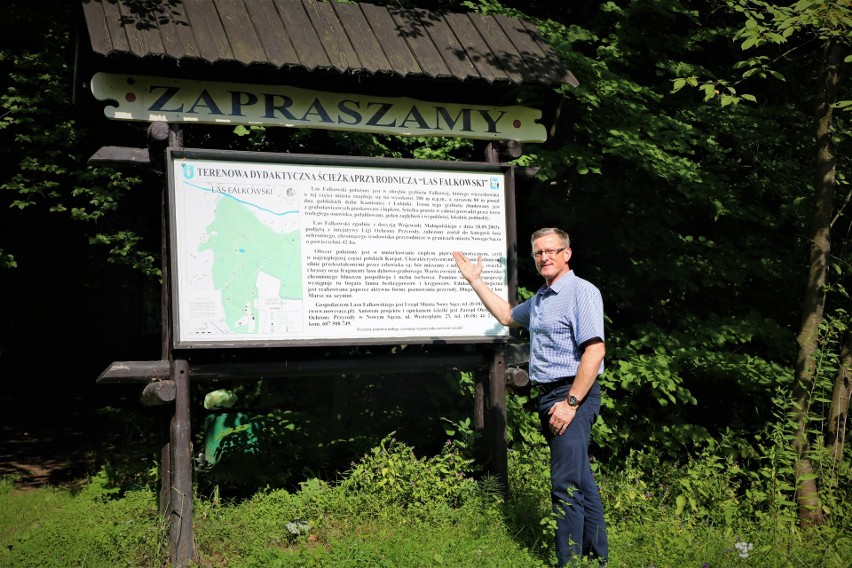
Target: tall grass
(51,527)
(395,509)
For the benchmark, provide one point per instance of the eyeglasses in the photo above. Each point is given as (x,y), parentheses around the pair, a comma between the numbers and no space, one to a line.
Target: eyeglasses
(549,252)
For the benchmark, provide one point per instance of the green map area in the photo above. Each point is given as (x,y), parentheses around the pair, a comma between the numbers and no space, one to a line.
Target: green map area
(244,247)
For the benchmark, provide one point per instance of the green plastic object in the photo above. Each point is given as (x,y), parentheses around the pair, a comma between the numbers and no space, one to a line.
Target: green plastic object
(229,436)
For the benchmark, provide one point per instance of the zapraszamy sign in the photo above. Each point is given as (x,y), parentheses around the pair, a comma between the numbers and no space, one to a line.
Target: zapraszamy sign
(279,249)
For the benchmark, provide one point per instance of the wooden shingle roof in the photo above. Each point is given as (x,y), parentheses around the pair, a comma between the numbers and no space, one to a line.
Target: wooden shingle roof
(353,40)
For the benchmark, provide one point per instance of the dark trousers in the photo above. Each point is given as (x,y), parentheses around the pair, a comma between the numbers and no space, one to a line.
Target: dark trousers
(580,525)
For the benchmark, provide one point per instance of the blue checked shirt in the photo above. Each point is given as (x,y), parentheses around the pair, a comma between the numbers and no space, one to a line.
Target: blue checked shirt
(560,319)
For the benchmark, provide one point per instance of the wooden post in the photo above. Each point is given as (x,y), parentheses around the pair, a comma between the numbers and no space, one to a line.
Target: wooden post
(497,418)
(495,407)
(180,514)
(158,137)
(478,404)
(176,469)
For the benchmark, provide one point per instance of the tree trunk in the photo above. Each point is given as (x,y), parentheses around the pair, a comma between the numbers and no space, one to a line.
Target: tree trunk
(840,401)
(813,304)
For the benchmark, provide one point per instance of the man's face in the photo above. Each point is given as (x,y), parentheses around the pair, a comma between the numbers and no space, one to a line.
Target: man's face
(552,266)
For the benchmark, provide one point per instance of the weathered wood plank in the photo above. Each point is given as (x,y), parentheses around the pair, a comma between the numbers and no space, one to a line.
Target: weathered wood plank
(412,24)
(503,53)
(98,28)
(120,156)
(340,52)
(116,30)
(396,50)
(240,31)
(272,33)
(363,38)
(328,367)
(138,31)
(126,372)
(309,48)
(556,73)
(479,56)
(207,30)
(176,34)
(453,53)
(357,38)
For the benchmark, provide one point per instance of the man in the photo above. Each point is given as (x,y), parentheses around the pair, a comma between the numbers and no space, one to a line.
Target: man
(565,320)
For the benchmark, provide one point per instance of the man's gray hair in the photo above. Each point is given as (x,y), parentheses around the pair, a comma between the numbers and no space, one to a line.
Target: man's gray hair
(566,240)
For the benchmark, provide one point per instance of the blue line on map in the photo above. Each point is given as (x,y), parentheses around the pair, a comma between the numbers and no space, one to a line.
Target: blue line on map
(249,203)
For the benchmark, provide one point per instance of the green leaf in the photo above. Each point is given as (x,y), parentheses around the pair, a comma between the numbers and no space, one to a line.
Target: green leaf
(749,43)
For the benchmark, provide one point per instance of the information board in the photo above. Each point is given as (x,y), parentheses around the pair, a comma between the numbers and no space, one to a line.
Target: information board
(279,249)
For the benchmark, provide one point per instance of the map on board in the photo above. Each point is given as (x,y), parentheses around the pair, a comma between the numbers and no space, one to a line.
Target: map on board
(268,251)
(244,246)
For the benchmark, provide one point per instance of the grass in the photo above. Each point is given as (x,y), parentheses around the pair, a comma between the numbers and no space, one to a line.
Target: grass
(52,527)
(382,515)
(466,536)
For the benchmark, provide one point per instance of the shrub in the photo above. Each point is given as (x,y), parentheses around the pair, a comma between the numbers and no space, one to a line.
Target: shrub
(392,474)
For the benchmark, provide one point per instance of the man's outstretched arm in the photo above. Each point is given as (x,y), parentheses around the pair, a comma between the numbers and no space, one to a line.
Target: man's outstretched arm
(472,272)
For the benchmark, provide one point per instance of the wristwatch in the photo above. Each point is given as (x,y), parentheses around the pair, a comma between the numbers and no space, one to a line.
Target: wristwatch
(573,401)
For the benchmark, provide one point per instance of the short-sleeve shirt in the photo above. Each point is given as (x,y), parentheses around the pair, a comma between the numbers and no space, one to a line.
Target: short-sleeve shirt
(560,317)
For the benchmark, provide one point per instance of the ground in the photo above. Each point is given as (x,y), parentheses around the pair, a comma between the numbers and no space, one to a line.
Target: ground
(54,432)
(38,454)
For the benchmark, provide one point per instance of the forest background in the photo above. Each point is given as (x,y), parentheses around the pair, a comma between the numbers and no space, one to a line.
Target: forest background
(701,167)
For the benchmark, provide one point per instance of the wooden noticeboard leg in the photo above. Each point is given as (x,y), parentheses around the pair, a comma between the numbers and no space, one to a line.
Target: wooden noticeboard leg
(180,510)
(158,135)
(497,420)
(178,470)
(495,406)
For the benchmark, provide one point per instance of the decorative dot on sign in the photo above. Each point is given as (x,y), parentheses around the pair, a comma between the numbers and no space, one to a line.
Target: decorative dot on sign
(130,97)
(516,123)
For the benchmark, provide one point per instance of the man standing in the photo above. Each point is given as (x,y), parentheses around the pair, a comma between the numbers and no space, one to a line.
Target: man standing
(565,320)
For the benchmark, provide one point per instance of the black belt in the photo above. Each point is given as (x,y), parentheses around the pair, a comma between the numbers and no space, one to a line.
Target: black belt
(544,388)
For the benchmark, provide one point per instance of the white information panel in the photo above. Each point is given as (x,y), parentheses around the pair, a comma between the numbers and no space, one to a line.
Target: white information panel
(272,249)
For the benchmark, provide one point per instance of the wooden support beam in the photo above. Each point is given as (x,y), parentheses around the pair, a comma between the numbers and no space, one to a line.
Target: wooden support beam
(517,378)
(143,372)
(510,150)
(130,372)
(157,393)
(498,451)
(121,156)
(373,365)
(479,404)
(180,517)
(526,174)
(126,157)
(516,353)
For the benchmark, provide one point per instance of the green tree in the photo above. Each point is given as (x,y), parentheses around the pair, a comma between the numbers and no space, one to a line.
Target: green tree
(681,213)
(46,145)
(817,35)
